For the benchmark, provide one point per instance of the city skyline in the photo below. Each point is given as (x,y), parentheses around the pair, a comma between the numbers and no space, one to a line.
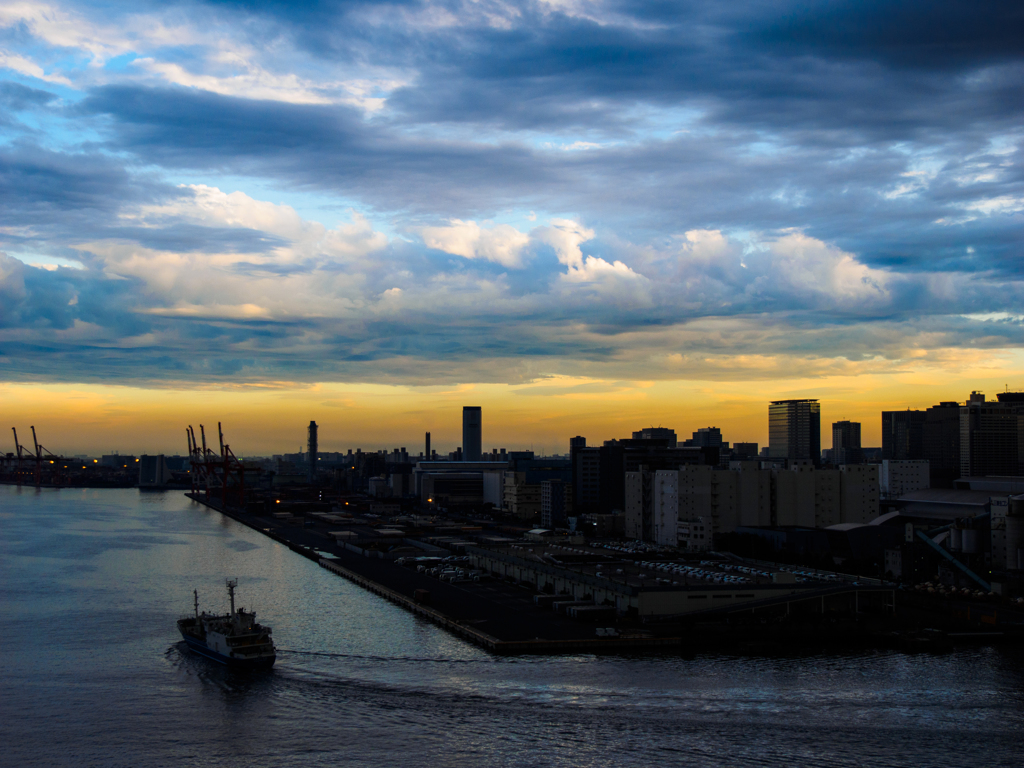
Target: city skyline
(128,425)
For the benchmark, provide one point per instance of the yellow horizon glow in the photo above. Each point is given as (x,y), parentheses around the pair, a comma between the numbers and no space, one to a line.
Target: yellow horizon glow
(95,419)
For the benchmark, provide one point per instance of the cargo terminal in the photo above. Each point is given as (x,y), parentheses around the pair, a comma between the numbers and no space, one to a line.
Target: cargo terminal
(664,587)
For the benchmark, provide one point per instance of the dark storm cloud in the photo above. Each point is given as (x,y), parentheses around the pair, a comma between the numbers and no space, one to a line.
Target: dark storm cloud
(870,71)
(942,35)
(324,147)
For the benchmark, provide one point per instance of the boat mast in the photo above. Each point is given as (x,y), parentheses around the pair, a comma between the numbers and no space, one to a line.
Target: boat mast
(232,583)
(195,594)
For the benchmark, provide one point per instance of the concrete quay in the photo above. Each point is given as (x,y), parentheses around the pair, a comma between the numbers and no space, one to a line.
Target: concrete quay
(493,615)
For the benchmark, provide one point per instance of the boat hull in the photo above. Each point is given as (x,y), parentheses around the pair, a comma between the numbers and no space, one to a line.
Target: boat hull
(199,647)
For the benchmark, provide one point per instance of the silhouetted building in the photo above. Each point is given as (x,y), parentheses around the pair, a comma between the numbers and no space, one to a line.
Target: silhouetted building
(657,433)
(706,437)
(523,481)
(990,437)
(472,420)
(555,503)
(846,443)
(903,435)
(598,473)
(744,451)
(941,443)
(794,430)
(153,471)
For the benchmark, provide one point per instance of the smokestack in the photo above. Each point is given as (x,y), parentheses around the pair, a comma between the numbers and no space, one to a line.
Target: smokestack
(311,451)
(427,454)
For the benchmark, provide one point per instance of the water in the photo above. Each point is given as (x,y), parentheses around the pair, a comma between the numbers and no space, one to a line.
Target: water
(93,672)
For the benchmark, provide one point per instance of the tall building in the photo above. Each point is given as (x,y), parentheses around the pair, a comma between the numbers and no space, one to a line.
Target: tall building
(472,420)
(903,435)
(555,503)
(794,430)
(990,437)
(940,443)
(846,443)
(657,433)
(707,437)
(577,442)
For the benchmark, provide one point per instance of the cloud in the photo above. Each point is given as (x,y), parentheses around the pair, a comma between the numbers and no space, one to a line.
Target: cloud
(609,278)
(732,189)
(501,243)
(25,66)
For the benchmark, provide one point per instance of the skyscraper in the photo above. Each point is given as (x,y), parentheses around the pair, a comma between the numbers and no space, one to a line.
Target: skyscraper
(940,443)
(903,435)
(472,420)
(990,436)
(846,443)
(794,430)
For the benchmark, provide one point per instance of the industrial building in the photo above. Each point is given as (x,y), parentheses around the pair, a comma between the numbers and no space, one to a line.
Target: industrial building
(591,582)
(459,483)
(659,504)
(903,476)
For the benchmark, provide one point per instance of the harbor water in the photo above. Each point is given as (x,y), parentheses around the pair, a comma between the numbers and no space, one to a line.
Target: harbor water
(94,672)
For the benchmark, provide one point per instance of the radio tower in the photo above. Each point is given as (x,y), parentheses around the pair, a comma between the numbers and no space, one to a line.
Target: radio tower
(311,452)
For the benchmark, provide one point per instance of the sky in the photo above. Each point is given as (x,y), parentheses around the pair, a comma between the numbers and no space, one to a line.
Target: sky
(587,217)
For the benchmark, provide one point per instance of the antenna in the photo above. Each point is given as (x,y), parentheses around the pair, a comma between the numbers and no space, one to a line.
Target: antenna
(232,583)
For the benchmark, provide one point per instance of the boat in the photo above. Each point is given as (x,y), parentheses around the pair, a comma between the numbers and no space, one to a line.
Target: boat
(234,639)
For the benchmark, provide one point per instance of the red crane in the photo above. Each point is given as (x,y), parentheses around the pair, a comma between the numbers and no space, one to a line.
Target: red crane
(216,471)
